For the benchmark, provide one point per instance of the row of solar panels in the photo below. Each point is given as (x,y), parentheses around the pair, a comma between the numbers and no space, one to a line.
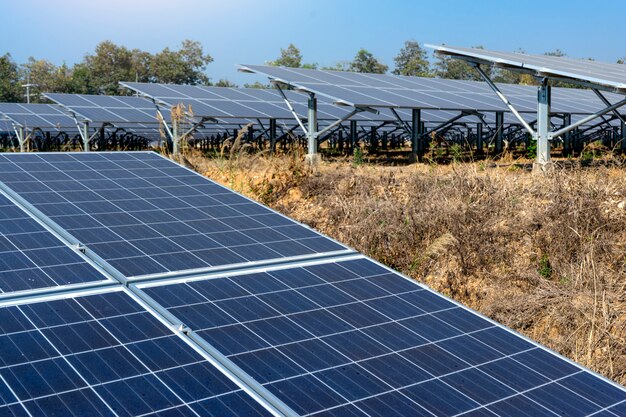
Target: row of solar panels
(231,309)
(440,100)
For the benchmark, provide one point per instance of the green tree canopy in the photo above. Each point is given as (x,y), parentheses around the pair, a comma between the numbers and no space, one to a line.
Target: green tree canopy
(223,82)
(457,69)
(412,60)
(290,57)
(10,88)
(46,77)
(364,61)
(185,66)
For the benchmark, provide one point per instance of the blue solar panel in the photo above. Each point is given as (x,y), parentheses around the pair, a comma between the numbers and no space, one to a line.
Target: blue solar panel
(104,355)
(350,338)
(147,215)
(31,257)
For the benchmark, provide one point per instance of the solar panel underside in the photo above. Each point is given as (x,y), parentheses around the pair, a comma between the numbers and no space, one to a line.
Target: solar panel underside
(105,355)
(351,338)
(146,215)
(31,257)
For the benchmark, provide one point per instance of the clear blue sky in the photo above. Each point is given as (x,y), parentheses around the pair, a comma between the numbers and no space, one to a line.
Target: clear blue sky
(326,31)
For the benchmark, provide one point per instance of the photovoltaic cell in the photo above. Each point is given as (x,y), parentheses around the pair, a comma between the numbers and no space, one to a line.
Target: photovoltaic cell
(225,102)
(385,90)
(48,117)
(104,355)
(600,73)
(146,215)
(351,338)
(31,257)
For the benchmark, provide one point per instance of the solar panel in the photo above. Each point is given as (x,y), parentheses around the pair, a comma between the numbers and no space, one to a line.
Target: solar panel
(109,109)
(352,338)
(33,258)
(601,73)
(225,102)
(384,90)
(146,215)
(47,117)
(103,354)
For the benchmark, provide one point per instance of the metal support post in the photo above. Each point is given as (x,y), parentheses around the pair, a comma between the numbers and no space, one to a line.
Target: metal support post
(353,136)
(86,136)
(567,137)
(479,137)
(312,156)
(373,139)
(250,134)
(416,121)
(623,136)
(340,144)
(20,139)
(499,131)
(272,134)
(543,134)
(175,138)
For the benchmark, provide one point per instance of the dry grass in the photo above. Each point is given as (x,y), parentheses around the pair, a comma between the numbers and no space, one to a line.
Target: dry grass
(545,255)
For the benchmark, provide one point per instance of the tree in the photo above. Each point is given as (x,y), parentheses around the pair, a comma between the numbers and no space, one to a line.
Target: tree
(412,60)
(46,77)
(364,61)
(185,66)
(10,88)
(109,65)
(622,60)
(457,69)
(256,84)
(290,57)
(223,82)
(339,66)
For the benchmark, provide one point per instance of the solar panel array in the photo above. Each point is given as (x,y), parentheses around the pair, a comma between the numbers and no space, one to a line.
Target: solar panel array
(384,90)
(353,338)
(32,257)
(599,73)
(112,109)
(146,215)
(44,116)
(105,355)
(235,310)
(224,102)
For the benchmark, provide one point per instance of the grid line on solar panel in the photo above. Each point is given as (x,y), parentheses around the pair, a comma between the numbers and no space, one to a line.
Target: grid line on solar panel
(145,215)
(353,333)
(86,356)
(112,109)
(380,90)
(44,116)
(603,73)
(33,258)
(243,102)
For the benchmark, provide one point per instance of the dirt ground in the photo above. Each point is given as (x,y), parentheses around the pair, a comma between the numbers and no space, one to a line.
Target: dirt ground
(542,254)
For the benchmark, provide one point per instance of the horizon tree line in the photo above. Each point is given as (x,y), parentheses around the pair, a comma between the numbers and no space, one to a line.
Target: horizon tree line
(99,72)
